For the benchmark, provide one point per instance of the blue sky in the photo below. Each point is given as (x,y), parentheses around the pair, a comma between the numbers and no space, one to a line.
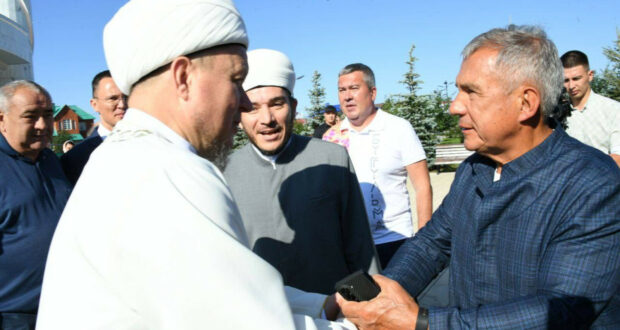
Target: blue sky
(326,35)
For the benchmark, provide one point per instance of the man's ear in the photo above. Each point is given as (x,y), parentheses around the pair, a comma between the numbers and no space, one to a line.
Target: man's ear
(2,121)
(530,103)
(181,68)
(590,75)
(93,104)
(374,93)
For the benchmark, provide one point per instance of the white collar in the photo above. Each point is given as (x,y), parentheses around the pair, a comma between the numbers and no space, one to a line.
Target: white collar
(103,131)
(375,124)
(139,118)
(272,158)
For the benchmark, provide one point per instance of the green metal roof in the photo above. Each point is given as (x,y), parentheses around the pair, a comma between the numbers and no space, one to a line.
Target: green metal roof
(81,113)
(76,137)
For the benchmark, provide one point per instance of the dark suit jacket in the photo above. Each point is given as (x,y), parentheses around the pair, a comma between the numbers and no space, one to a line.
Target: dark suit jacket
(73,162)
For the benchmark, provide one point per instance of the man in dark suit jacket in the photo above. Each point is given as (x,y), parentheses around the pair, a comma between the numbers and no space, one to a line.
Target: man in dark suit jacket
(110,104)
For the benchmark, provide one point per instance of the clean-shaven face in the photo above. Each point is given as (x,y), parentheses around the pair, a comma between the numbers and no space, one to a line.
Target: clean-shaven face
(577,81)
(357,100)
(109,103)
(29,123)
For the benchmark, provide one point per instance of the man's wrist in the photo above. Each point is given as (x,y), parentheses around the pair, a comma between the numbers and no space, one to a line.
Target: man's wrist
(421,322)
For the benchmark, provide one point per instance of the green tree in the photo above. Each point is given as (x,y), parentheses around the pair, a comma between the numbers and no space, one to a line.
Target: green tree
(240,139)
(317,104)
(447,125)
(389,105)
(59,140)
(418,110)
(611,74)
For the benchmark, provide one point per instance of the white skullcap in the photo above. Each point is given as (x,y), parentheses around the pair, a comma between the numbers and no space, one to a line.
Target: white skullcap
(147,34)
(269,68)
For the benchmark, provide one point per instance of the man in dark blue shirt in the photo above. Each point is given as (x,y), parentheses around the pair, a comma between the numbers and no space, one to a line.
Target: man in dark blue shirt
(531,225)
(111,105)
(33,193)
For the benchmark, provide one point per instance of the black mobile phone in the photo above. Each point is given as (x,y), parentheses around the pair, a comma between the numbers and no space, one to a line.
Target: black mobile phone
(358,286)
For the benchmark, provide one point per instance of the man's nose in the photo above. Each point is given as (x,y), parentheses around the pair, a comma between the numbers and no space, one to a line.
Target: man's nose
(265,116)
(457,107)
(123,102)
(41,123)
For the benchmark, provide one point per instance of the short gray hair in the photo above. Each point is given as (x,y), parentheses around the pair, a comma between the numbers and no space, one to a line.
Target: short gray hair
(369,76)
(7,91)
(525,55)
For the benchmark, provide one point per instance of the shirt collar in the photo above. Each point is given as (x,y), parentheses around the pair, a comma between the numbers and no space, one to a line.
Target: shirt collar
(377,124)
(103,131)
(530,160)
(139,118)
(6,148)
(272,158)
(591,96)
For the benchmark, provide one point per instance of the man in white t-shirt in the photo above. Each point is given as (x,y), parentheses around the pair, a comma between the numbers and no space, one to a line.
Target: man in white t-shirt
(384,150)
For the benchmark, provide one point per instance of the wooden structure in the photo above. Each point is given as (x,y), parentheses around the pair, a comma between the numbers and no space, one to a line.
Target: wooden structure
(446,154)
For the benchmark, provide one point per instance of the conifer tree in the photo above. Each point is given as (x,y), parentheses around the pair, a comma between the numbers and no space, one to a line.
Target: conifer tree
(317,103)
(418,110)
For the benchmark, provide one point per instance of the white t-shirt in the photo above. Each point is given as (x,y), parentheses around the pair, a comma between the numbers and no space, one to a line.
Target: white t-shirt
(380,153)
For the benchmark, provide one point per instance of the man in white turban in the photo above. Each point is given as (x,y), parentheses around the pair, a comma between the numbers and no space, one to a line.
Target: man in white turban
(169,251)
(299,197)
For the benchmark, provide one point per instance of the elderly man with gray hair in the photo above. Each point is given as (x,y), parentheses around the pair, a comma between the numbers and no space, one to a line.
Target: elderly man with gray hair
(170,250)
(531,224)
(33,193)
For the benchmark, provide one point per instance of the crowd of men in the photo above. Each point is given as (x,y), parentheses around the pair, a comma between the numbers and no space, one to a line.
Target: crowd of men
(181,237)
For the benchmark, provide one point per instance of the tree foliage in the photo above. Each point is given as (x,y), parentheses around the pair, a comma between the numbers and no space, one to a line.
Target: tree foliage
(240,139)
(447,125)
(609,81)
(59,140)
(317,104)
(418,110)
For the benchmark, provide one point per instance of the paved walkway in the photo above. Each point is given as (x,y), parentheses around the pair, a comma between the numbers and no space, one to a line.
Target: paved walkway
(441,185)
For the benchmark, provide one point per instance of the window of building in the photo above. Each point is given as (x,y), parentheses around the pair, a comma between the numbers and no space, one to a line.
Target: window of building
(67,125)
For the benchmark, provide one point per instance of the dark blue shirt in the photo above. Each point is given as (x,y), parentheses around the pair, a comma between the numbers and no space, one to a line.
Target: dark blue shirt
(540,248)
(73,162)
(32,197)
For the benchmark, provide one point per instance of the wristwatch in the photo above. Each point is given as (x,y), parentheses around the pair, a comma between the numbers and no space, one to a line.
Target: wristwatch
(422,322)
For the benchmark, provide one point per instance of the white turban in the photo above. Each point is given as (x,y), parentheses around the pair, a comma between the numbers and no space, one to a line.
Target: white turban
(269,68)
(147,34)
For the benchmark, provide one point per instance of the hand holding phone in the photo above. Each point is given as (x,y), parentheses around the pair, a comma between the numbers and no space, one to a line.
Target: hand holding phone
(358,286)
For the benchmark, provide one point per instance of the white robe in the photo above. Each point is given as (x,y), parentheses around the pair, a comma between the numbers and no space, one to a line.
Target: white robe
(151,238)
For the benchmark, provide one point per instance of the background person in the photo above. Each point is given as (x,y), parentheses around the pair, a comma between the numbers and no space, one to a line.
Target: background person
(111,104)
(330,117)
(33,193)
(384,150)
(595,119)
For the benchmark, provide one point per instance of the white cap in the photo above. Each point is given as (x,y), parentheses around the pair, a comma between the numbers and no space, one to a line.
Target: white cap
(269,68)
(147,34)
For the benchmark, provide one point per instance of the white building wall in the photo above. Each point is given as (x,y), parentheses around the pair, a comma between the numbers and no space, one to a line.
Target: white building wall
(16,40)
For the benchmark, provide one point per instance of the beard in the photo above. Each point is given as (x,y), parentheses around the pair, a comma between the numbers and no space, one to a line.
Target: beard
(217,153)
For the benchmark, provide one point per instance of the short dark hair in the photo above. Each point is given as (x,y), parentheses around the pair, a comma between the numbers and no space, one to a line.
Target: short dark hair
(98,77)
(330,108)
(574,58)
(369,76)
